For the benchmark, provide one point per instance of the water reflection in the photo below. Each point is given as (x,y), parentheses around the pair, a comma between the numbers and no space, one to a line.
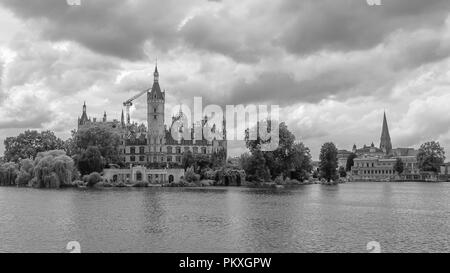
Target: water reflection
(404,217)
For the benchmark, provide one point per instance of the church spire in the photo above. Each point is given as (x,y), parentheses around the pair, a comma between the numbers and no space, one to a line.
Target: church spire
(385,142)
(122,119)
(156,73)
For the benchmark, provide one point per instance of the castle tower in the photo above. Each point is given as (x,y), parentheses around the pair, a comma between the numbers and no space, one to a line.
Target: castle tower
(155,120)
(385,142)
(84,118)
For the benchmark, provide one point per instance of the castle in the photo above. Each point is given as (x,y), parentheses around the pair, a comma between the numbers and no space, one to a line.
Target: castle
(154,144)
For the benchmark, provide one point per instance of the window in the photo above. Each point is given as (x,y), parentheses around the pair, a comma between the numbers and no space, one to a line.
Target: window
(169,159)
(142,150)
(195,150)
(132,158)
(186,149)
(169,150)
(154,110)
(155,117)
(178,158)
(155,159)
(203,150)
(132,150)
(142,158)
(178,150)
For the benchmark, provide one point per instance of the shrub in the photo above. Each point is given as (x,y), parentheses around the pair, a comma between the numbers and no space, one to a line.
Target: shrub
(191,176)
(279,180)
(93,179)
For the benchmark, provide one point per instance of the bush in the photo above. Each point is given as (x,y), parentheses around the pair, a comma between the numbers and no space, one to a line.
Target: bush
(140,185)
(279,180)
(93,179)
(191,176)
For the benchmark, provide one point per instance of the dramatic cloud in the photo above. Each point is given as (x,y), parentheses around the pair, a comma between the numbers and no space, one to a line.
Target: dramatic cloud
(333,66)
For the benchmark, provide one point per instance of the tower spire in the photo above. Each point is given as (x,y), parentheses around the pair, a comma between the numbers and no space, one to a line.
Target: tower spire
(385,142)
(156,73)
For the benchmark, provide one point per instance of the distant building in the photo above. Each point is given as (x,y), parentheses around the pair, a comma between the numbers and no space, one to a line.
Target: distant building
(342,158)
(373,169)
(371,151)
(154,143)
(142,174)
(377,164)
(445,169)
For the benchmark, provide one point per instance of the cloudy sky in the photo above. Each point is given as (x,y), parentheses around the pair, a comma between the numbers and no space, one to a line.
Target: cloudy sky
(332,66)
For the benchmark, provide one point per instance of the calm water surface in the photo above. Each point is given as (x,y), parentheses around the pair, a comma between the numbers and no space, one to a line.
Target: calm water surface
(404,217)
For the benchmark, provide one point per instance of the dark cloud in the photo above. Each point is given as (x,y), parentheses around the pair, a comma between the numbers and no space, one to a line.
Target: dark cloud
(353,24)
(112,27)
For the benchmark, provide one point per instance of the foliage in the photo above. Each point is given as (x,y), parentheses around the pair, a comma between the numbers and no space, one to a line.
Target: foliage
(188,160)
(350,162)
(90,161)
(92,179)
(218,158)
(53,169)
(25,174)
(399,167)
(328,161)
(431,155)
(342,172)
(29,144)
(289,159)
(191,176)
(8,173)
(101,136)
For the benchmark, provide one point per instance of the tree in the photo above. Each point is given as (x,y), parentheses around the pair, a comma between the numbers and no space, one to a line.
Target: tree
(399,166)
(288,159)
(188,160)
(103,137)
(328,161)
(350,162)
(25,174)
(342,172)
(218,158)
(431,155)
(8,173)
(29,144)
(53,169)
(300,158)
(90,161)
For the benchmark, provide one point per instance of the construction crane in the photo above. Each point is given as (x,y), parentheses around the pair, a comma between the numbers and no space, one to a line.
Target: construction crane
(129,103)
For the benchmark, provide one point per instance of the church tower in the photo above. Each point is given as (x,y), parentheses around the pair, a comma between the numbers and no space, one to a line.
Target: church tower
(155,120)
(385,142)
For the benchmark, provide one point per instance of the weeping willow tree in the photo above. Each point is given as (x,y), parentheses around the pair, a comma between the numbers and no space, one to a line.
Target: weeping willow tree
(53,169)
(25,174)
(8,174)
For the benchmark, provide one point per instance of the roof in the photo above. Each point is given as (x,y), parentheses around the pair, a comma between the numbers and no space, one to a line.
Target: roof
(156,92)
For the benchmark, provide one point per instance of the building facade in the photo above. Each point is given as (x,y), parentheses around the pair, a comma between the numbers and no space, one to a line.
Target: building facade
(377,163)
(142,174)
(373,169)
(153,143)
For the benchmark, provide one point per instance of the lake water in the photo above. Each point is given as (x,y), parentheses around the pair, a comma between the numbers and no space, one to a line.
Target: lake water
(402,217)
